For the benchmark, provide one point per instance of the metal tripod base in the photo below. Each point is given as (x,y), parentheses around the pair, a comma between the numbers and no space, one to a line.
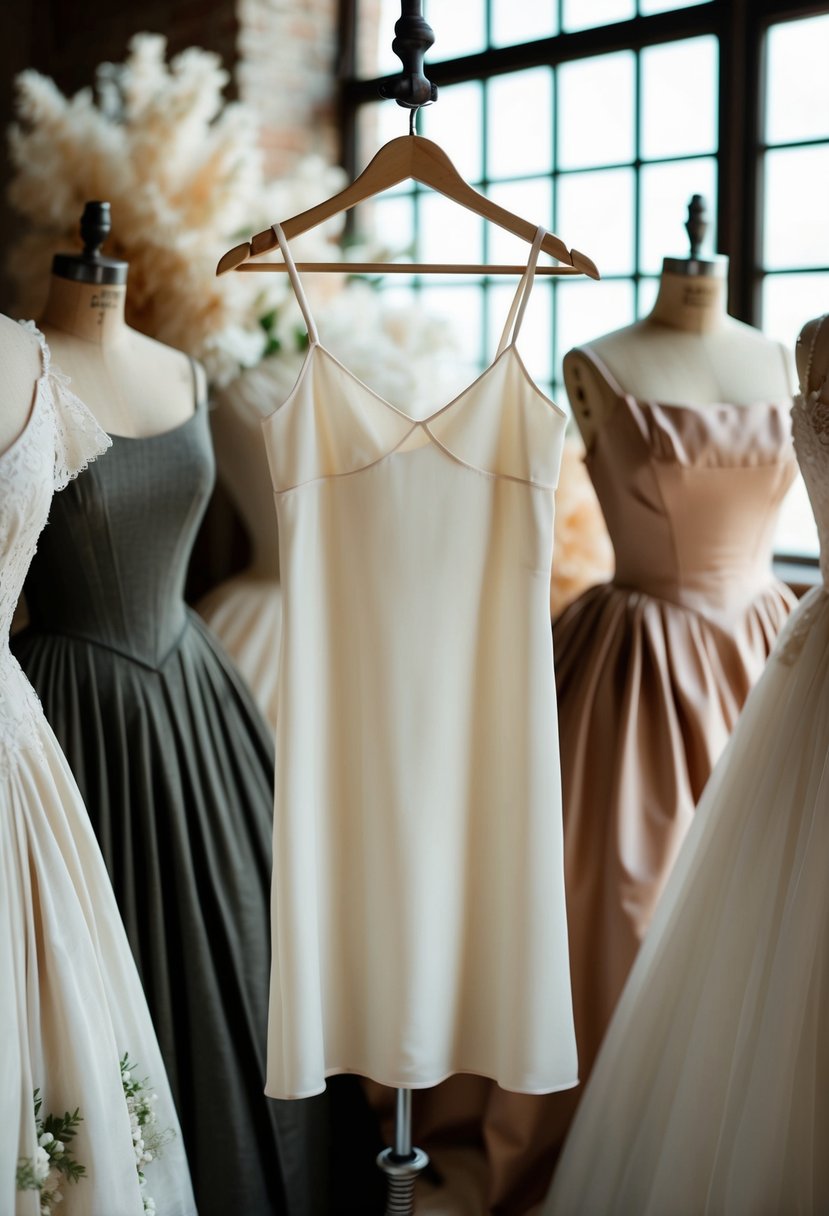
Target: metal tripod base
(402,1174)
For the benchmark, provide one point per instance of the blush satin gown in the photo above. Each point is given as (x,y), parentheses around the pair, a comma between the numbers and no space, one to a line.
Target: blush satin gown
(710,1095)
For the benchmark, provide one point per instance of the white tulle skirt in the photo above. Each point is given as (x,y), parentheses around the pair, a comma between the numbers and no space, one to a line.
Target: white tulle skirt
(245,613)
(710,1096)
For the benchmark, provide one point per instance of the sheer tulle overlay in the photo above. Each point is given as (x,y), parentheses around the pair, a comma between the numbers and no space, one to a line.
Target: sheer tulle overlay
(245,613)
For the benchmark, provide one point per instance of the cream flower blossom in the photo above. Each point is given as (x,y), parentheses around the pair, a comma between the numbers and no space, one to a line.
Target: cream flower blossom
(183,172)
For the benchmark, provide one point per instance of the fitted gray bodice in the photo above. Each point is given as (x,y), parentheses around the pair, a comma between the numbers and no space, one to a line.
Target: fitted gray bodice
(111,565)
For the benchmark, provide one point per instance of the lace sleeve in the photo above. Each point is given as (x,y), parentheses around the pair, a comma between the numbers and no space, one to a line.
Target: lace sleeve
(78,438)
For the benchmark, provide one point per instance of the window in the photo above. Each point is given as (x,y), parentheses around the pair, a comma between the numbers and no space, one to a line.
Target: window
(793,275)
(602,118)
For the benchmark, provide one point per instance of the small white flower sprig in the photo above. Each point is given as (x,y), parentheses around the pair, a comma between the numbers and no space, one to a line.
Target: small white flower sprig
(184,173)
(147,1138)
(53,1161)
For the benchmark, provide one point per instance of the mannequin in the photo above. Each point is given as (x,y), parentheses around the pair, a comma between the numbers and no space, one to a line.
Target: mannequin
(704,1098)
(20,360)
(135,386)
(686,350)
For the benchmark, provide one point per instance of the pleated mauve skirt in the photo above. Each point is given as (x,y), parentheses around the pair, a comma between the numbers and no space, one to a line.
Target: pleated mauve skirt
(176,770)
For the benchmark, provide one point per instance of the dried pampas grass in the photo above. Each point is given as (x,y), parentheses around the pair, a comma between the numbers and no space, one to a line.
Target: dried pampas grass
(183,172)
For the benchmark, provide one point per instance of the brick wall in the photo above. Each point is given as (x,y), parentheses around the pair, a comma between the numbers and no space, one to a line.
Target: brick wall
(287,69)
(67,39)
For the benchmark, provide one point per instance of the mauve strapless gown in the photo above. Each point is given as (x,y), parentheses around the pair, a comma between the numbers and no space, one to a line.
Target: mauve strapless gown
(709,1095)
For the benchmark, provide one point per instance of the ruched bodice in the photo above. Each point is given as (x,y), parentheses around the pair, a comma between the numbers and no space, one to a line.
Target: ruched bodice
(118,552)
(690,495)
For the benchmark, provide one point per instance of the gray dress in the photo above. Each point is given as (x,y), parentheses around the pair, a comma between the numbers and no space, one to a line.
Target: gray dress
(175,765)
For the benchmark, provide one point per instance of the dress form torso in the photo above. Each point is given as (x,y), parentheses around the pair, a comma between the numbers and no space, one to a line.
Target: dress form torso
(688,350)
(136,387)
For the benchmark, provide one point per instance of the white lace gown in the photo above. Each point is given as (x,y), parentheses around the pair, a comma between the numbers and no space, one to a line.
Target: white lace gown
(71,1003)
(710,1096)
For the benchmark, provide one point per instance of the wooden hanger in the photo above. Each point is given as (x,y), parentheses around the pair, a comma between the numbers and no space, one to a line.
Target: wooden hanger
(420,159)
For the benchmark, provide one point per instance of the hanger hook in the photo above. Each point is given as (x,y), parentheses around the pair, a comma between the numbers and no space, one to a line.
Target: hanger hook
(413,119)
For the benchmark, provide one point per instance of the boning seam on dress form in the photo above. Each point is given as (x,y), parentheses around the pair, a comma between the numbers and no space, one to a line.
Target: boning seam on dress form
(312,481)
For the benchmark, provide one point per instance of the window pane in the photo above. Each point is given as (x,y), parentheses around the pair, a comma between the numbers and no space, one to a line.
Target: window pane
(796,532)
(595,214)
(796,227)
(789,300)
(531,200)
(586,310)
(586,14)
(664,6)
(535,338)
(375,32)
(456,123)
(449,232)
(389,222)
(666,192)
(679,98)
(460,28)
(595,111)
(513,23)
(797,99)
(461,307)
(647,296)
(520,123)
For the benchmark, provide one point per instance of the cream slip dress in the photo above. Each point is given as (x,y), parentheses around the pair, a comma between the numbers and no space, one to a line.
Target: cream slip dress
(418,913)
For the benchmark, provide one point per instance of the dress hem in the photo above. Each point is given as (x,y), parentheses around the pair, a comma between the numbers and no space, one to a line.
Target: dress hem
(369,1076)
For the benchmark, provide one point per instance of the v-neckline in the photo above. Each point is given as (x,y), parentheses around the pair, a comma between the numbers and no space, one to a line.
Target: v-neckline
(430,418)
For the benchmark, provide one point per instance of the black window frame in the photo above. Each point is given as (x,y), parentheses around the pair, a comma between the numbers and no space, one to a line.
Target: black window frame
(740,27)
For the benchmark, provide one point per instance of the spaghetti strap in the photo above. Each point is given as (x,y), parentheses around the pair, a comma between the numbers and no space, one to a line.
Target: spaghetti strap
(522,294)
(198,400)
(297,283)
(602,368)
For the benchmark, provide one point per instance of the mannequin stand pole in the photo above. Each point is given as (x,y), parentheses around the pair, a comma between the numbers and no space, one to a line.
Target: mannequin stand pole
(403,1163)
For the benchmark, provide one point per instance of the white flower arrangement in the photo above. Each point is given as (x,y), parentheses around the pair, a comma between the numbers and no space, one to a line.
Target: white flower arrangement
(183,172)
(53,1161)
(147,1138)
